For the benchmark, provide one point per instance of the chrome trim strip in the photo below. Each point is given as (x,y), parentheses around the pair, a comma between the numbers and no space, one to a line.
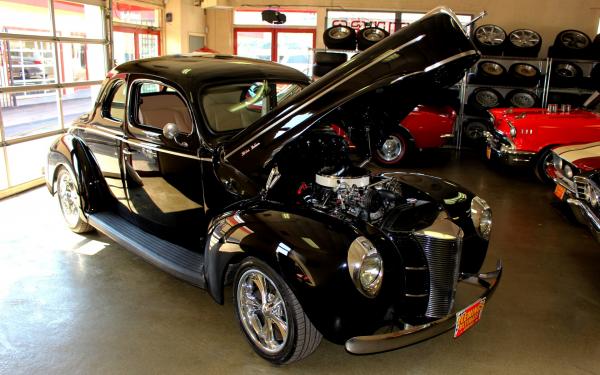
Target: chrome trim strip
(416,295)
(424,268)
(450,59)
(380,58)
(146,145)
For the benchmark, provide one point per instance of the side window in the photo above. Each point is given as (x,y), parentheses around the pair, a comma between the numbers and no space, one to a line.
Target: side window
(157,105)
(114,105)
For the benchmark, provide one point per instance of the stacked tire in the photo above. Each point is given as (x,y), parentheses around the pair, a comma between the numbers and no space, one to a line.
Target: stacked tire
(492,40)
(327,61)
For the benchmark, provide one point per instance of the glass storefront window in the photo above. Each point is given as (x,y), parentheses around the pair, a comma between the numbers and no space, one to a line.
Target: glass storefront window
(245,17)
(33,112)
(26,63)
(82,62)
(25,17)
(26,160)
(135,14)
(77,101)
(254,44)
(78,20)
(148,45)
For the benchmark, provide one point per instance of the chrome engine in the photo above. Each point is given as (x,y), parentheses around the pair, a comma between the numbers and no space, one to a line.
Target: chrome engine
(356,193)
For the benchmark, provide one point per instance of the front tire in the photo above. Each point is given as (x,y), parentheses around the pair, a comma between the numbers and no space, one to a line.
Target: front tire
(270,315)
(70,202)
(541,166)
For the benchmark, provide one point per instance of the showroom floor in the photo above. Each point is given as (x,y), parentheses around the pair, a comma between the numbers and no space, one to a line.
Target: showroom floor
(72,304)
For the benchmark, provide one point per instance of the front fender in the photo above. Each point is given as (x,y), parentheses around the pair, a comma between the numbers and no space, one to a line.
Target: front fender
(309,251)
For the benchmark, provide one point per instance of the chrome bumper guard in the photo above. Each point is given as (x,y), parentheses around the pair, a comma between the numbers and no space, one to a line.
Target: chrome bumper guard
(395,340)
(585,215)
(509,157)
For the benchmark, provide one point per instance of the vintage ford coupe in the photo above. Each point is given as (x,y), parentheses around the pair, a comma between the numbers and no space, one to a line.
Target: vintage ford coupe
(526,136)
(576,171)
(223,170)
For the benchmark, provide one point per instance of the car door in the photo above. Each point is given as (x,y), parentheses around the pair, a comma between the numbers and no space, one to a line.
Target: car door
(163,178)
(104,135)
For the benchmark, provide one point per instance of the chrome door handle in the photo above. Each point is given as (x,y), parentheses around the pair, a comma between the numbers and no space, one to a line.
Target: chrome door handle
(129,152)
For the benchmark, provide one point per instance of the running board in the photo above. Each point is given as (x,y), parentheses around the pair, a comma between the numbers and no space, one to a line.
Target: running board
(174,259)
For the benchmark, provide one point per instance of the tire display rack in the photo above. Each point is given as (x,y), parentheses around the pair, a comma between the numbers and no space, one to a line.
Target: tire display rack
(571,86)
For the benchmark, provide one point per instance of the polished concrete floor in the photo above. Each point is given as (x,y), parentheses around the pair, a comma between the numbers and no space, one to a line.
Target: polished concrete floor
(72,304)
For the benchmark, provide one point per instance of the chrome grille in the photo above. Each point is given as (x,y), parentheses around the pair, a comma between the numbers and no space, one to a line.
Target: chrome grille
(581,184)
(443,259)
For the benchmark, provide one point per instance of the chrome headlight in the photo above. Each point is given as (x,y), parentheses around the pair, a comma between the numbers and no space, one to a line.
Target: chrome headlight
(568,171)
(481,214)
(365,266)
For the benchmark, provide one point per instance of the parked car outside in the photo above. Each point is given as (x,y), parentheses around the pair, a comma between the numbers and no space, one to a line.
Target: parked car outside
(525,137)
(576,171)
(221,169)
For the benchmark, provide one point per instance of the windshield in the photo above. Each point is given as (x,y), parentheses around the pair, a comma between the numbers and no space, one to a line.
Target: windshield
(234,107)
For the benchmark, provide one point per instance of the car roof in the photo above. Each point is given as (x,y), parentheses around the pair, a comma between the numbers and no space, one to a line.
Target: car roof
(207,68)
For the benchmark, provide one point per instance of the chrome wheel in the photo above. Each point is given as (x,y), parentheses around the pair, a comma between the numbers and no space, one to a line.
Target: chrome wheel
(68,198)
(474,130)
(574,40)
(566,70)
(339,32)
(262,311)
(492,68)
(524,38)
(487,99)
(391,149)
(373,34)
(490,35)
(523,100)
(526,70)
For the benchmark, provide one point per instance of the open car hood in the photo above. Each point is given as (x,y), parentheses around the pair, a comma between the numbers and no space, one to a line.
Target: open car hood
(429,54)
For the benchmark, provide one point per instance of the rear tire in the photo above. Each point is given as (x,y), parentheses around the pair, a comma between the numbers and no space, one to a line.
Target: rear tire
(69,200)
(270,315)
(391,149)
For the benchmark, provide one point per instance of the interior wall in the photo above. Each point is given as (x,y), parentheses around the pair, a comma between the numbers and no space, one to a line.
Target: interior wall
(219,34)
(546,17)
(187,18)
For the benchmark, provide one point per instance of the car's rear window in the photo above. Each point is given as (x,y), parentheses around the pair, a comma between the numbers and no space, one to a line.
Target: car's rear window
(235,106)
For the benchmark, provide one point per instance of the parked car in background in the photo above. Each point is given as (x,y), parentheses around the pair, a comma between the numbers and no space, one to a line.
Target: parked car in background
(525,137)
(576,171)
(390,142)
(221,169)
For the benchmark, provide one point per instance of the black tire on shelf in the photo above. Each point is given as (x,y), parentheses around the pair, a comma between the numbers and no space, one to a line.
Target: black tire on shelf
(596,48)
(330,58)
(321,70)
(572,44)
(566,74)
(69,200)
(523,74)
(490,72)
(340,37)
(522,99)
(595,76)
(523,43)
(391,149)
(370,35)
(293,335)
(473,129)
(490,39)
(484,98)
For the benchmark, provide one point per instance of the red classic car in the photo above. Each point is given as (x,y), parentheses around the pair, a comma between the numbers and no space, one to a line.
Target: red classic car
(527,136)
(427,126)
(576,171)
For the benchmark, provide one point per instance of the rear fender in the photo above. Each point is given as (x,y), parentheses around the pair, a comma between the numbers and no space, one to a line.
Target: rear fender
(70,152)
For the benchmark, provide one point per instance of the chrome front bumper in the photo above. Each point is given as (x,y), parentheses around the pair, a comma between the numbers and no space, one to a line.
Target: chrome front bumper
(585,215)
(395,340)
(506,156)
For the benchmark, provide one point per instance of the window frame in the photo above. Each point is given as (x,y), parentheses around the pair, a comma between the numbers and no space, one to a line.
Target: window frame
(132,114)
